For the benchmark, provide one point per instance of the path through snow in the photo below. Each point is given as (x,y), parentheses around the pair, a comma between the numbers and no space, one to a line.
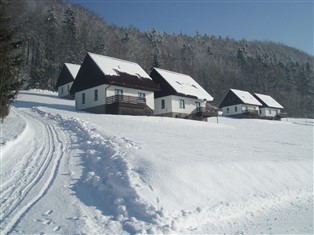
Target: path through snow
(38,171)
(66,172)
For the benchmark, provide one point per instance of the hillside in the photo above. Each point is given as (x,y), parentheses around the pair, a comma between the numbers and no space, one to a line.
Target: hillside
(69,172)
(54,32)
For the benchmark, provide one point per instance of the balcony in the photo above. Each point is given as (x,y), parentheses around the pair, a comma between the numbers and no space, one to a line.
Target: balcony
(202,113)
(127,105)
(125,99)
(250,113)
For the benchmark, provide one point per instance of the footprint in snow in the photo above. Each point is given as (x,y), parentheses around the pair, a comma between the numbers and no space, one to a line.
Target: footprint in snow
(48,212)
(151,188)
(47,221)
(157,200)
(57,228)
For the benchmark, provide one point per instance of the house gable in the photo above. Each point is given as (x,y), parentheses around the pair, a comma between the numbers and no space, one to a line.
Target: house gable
(235,97)
(67,74)
(172,83)
(89,76)
(165,88)
(268,101)
(97,70)
(230,99)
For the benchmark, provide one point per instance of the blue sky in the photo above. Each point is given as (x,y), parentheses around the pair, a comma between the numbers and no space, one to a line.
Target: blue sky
(286,21)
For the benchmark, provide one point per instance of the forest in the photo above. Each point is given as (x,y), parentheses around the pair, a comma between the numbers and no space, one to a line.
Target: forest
(38,37)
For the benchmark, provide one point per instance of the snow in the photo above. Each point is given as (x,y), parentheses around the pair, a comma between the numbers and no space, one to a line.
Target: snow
(111,66)
(69,172)
(269,101)
(184,84)
(73,68)
(246,97)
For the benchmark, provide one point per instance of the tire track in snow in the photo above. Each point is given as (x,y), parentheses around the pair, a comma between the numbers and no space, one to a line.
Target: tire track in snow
(35,175)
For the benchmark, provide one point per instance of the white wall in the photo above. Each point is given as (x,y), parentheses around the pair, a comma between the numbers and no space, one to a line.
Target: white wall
(269,112)
(110,90)
(232,110)
(64,90)
(90,97)
(172,105)
(168,105)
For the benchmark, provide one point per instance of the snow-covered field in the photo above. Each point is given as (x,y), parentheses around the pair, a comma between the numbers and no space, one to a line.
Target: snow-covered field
(69,172)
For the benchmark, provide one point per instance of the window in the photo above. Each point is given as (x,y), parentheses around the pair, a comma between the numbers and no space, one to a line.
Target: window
(96,95)
(83,98)
(235,108)
(182,104)
(118,94)
(141,96)
(61,90)
(260,111)
(227,110)
(269,111)
(163,104)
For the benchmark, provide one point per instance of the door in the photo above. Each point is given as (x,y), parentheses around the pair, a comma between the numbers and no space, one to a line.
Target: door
(198,106)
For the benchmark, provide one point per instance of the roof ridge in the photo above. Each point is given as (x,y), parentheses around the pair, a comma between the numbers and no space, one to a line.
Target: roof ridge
(239,90)
(72,64)
(173,72)
(113,58)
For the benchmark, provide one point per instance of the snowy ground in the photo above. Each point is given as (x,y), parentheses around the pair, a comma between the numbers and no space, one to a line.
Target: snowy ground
(68,172)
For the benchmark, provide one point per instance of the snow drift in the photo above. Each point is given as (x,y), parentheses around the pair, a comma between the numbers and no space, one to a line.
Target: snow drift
(125,174)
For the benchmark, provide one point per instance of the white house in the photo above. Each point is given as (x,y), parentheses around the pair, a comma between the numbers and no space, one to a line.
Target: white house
(271,109)
(179,96)
(65,80)
(241,104)
(109,85)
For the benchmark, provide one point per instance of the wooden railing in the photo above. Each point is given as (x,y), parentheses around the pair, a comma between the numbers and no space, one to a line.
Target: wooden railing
(205,111)
(125,99)
(250,111)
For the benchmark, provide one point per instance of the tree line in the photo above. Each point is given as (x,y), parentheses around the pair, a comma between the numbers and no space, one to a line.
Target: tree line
(40,36)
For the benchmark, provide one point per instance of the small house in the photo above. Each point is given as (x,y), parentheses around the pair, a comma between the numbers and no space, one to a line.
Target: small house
(240,104)
(112,86)
(180,96)
(66,78)
(270,109)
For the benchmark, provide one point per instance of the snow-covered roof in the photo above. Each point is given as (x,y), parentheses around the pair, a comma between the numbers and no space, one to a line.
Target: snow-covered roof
(73,68)
(112,66)
(269,101)
(246,97)
(184,84)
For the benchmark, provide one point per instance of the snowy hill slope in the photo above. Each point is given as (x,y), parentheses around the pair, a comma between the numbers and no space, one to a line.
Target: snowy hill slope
(64,171)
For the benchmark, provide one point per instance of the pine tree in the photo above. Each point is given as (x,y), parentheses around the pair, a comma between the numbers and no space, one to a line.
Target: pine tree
(69,32)
(10,60)
(51,47)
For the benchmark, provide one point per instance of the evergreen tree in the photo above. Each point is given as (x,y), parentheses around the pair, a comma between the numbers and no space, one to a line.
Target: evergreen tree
(10,60)
(69,35)
(51,47)
(70,24)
